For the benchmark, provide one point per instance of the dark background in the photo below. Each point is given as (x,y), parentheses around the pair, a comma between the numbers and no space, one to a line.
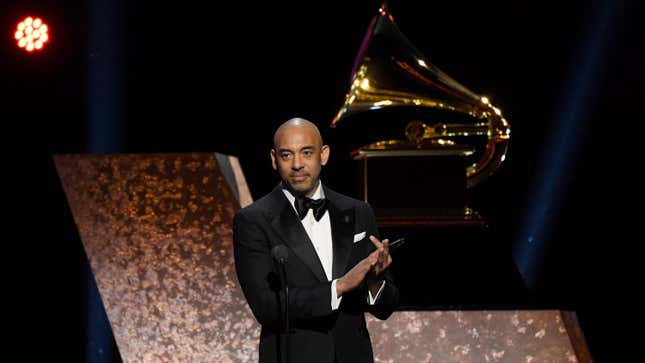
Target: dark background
(222,76)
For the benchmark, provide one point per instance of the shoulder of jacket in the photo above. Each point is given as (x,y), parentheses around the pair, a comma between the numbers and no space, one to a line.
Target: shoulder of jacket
(343,201)
(259,207)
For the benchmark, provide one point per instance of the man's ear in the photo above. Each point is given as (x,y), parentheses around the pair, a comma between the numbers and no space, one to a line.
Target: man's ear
(273,161)
(324,154)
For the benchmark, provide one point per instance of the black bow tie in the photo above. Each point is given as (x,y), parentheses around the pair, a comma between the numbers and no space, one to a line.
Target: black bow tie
(303,204)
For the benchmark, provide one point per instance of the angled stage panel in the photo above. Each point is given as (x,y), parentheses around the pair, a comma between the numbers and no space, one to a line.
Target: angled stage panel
(157,232)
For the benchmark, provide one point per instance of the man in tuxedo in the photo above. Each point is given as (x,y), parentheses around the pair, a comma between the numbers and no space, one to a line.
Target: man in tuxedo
(336,268)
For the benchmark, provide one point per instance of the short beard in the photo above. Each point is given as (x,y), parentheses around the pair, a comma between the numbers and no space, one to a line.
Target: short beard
(297,193)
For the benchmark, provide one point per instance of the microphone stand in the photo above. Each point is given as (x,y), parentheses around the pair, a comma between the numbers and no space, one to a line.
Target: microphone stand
(280,254)
(286,310)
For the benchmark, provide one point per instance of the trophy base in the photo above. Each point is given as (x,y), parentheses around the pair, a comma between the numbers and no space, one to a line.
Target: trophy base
(415,184)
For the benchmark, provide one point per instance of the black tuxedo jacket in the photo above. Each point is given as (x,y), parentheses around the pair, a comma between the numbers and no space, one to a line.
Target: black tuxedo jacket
(318,334)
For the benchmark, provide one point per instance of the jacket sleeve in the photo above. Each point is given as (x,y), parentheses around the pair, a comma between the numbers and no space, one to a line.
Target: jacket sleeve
(259,279)
(388,300)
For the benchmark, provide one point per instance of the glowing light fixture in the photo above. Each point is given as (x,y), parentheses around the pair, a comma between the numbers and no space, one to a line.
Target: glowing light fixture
(31,34)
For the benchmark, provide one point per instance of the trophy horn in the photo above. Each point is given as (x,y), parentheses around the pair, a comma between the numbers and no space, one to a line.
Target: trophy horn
(390,73)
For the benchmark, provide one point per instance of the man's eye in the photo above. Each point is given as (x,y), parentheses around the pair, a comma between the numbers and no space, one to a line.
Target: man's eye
(308,153)
(285,156)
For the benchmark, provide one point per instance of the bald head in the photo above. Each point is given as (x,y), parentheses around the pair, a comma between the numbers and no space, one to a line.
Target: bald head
(298,155)
(297,125)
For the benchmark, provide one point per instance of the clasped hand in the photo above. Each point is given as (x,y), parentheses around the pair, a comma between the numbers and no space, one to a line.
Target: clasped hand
(371,267)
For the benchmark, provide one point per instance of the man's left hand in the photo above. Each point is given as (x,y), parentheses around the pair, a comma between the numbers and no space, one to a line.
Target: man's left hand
(382,263)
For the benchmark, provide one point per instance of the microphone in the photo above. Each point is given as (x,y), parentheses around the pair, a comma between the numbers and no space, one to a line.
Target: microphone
(280,254)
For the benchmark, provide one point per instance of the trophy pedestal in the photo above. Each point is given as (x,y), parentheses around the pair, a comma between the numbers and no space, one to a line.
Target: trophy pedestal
(424,185)
(421,195)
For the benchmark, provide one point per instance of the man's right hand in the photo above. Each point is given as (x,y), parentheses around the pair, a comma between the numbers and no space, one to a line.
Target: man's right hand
(356,275)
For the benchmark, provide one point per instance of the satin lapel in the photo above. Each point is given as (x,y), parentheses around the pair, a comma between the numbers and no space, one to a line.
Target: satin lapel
(342,231)
(288,226)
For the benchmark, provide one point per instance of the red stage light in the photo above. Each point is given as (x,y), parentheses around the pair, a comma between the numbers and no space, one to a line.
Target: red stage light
(31,34)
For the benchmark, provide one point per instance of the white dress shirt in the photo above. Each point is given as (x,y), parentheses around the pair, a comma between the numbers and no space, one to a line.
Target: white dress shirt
(319,233)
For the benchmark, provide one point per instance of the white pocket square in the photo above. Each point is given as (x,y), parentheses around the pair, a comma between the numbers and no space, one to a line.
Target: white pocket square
(359,236)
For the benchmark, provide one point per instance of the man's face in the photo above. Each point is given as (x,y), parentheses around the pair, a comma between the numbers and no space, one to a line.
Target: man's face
(298,156)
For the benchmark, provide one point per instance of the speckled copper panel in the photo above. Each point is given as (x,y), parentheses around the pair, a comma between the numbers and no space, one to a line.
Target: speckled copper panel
(157,232)
(527,336)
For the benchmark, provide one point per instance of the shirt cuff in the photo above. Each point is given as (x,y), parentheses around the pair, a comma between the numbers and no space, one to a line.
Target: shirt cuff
(335,299)
(372,300)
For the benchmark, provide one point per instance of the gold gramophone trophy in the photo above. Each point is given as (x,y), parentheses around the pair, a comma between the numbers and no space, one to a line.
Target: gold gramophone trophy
(450,138)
